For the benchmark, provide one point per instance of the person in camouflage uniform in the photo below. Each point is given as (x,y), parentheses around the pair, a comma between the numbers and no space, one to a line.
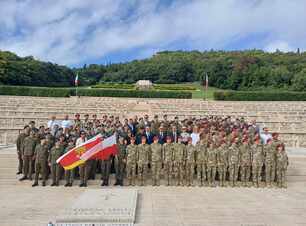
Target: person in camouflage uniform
(245,162)
(168,159)
(211,163)
(201,148)
(120,160)
(143,160)
(179,158)
(19,145)
(282,163)
(41,154)
(157,158)
(222,162)
(28,148)
(69,173)
(269,151)
(131,161)
(257,161)
(56,152)
(190,162)
(234,160)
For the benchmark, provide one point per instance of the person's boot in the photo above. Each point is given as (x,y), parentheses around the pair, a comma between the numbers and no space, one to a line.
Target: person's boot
(35,184)
(66,185)
(43,183)
(85,185)
(53,184)
(23,178)
(117,183)
(70,185)
(81,185)
(19,172)
(121,183)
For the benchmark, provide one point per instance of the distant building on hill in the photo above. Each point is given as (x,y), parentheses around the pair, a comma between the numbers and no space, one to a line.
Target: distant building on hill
(144,84)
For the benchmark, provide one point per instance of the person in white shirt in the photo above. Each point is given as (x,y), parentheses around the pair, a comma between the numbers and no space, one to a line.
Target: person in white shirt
(66,123)
(265,135)
(195,135)
(52,122)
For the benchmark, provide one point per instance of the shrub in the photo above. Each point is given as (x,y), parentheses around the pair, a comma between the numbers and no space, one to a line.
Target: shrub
(259,96)
(114,86)
(173,87)
(35,91)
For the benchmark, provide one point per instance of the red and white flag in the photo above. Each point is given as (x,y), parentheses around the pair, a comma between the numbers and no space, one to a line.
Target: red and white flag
(97,148)
(76,80)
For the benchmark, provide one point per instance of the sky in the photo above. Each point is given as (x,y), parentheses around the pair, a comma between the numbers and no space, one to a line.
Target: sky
(78,32)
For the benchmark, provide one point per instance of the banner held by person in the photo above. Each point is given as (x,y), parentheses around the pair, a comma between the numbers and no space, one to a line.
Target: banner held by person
(96,147)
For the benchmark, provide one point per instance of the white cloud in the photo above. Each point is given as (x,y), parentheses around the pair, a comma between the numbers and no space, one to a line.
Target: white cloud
(77,31)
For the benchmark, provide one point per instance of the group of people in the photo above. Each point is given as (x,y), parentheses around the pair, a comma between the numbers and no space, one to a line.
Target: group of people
(210,151)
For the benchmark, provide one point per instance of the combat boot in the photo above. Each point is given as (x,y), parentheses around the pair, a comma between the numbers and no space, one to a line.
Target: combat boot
(35,184)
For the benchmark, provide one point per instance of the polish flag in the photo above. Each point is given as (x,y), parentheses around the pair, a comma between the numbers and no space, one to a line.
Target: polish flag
(97,148)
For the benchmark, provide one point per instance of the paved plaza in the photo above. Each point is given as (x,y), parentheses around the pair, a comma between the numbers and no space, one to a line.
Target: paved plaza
(20,204)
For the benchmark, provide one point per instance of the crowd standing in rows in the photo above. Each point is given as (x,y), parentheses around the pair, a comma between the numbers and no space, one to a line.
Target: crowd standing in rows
(210,151)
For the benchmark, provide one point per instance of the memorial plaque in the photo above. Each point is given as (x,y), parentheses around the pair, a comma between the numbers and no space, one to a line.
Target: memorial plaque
(101,207)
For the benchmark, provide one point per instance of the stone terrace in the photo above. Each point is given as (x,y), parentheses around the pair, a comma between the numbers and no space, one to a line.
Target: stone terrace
(287,118)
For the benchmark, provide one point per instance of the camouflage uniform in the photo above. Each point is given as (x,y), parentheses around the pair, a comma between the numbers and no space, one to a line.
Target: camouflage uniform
(69,174)
(211,165)
(245,163)
(28,147)
(222,161)
(19,145)
(168,161)
(257,163)
(190,163)
(282,164)
(41,154)
(157,157)
(131,163)
(270,162)
(55,153)
(234,159)
(143,161)
(120,159)
(179,158)
(201,162)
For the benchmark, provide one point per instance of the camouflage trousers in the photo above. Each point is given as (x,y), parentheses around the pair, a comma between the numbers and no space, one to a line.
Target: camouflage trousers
(201,173)
(40,168)
(69,176)
(28,166)
(270,172)
(131,173)
(281,177)
(142,173)
(256,171)
(119,169)
(211,174)
(105,169)
(189,173)
(233,173)
(156,171)
(20,161)
(168,172)
(222,170)
(84,171)
(55,173)
(245,171)
(178,173)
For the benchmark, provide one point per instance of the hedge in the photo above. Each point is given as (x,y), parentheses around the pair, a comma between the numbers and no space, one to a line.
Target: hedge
(135,93)
(114,86)
(66,92)
(259,96)
(174,87)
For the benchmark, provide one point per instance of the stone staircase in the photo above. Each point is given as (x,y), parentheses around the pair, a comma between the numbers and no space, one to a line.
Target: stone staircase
(287,118)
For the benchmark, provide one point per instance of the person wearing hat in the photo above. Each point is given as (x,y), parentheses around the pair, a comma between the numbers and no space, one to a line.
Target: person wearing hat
(168,150)
(211,163)
(83,168)
(245,161)
(119,161)
(257,161)
(234,161)
(69,174)
(144,151)
(131,161)
(41,161)
(155,124)
(282,163)
(157,158)
(179,155)
(190,162)
(166,123)
(55,152)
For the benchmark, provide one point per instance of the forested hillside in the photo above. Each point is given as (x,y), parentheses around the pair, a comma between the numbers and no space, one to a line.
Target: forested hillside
(236,70)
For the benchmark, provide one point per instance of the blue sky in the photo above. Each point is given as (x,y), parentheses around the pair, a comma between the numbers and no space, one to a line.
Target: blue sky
(77,32)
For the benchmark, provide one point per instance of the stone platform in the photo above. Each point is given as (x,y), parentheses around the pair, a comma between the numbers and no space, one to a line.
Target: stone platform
(97,206)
